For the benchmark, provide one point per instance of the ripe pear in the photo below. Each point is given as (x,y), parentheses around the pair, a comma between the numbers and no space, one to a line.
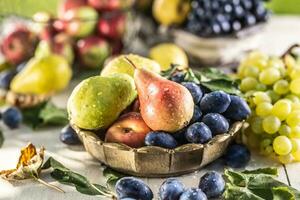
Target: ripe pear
(98,101)
(120,65)
(165,105)
(43,75)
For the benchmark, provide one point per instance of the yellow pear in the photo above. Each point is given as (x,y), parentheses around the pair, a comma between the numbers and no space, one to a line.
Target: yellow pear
(43,75)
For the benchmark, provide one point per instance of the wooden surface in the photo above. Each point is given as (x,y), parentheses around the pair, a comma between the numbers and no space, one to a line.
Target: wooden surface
(280,33)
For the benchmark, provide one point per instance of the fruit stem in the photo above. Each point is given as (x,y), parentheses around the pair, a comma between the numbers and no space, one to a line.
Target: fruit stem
(48,184)
(130,62)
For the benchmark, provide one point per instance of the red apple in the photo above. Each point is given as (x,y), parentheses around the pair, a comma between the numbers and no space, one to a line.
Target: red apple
(129,129)
(68,5)
(19,45)
(105,5)
(93,51)
(112,26)
(59,25)
(80,22)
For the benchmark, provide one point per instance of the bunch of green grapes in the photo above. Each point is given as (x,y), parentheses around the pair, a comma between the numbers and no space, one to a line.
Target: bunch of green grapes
(272,88)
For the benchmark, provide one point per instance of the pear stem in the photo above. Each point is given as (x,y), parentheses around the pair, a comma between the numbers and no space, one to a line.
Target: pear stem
(130,62)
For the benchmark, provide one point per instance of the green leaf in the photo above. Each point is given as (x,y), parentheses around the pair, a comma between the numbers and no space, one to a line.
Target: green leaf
(53,115)
(112,176)
(207,74)
(169,72)
(190,76)
(226,86)
(257,184)
(66,176)
(1,139)
(268,171)
(45,114)
(282,193)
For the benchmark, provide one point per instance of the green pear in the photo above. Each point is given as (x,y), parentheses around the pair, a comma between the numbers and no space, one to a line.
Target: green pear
(121,65)
(98,101)
(43,75)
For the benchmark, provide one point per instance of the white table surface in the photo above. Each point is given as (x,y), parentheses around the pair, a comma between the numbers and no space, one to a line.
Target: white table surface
(280,33)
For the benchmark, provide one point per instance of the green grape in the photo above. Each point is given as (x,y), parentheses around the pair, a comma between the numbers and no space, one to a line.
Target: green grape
(269,76)
(293,119)
(261,87)
(295,86)
(282,109)
(263,109)
(266,142)
(260,97)
(290,63)
(295,144)
(296,106)
(273,95)
(295,132)
(282,145)
(281,87)
(256,125)
(286,159)
(277,63)
(251,71)
(248,84)
(295,73)
(271,124)
(241,71)
(296,156)
(293,98)
(257,59)
(285,130)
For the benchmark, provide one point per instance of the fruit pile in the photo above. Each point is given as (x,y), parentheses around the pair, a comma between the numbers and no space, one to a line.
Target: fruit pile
(272,87)
(154,111)
(222,17)
(92,29)
(38,59)
(216,17)
(211,185)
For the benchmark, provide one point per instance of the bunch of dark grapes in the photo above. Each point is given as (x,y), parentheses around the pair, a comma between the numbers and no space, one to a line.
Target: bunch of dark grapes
(211,18)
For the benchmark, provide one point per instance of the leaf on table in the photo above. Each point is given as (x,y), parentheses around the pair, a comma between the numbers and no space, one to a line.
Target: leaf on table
(257,184)
(112,176)
(282,193)
(1,138)
(66,176)
(207,74)
(45,114)
(29,164)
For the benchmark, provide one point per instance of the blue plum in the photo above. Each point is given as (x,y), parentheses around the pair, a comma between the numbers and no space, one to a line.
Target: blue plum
(171,189)
(193,194)
(238,109)
(212,184)
(216,123)
(215,102)
(6,77)
(12,117)
(197,114)
(130,187)
(178,77)
(195,91)
(69,136)
(161,139)
(198,133)
(237,156)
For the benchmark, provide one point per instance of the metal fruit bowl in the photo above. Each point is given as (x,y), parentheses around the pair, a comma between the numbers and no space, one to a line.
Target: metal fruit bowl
(22,100)
(150,161)
(219,50)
